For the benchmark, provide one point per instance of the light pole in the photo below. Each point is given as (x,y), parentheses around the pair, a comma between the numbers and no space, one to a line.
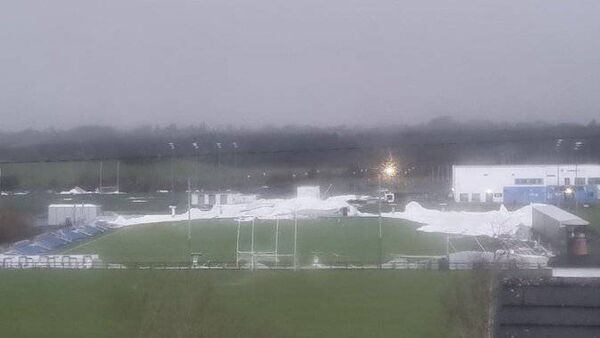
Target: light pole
(118,176)
(389,170)
(100,178)
(172,146)
(219,146)
(557,148)
(189,229)
(577,148)
(235,148)
(197,148)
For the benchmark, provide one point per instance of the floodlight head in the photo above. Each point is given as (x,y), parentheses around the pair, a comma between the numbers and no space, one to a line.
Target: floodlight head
(195,144)
(389,169)
(219,145)
(235,145)
(172,145)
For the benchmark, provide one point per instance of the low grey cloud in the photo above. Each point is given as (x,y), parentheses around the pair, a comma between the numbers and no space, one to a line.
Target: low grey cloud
(125,63)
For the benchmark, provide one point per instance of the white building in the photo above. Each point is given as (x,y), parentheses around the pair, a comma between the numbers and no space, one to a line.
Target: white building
(309,192)
(488,183)
(221,198)
(72,214)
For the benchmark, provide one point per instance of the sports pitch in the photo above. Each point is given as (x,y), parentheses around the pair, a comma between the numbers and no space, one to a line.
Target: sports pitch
(217,303)
(332,240)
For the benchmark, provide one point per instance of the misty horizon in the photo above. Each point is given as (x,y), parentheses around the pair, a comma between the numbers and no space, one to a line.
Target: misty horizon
(309,63)
(446,123)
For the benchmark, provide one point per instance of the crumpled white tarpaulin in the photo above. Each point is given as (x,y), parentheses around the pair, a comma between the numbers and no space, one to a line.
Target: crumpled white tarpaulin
(493,223)
(261,209)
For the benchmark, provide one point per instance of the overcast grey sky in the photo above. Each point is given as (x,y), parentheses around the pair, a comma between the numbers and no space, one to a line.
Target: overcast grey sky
(131,62)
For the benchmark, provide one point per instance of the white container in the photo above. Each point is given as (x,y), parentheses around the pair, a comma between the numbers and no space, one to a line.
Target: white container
(309,192)
(72,214)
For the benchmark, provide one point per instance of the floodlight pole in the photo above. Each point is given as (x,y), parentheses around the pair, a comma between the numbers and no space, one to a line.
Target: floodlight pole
(295,236)
(118,176)
(189,234)
(171,168)
(197,148)
(380,220)
(558,183)
(219,146)
(235,147)
(100,178)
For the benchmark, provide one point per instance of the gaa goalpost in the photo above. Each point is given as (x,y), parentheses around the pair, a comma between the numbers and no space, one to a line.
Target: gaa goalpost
(273,254)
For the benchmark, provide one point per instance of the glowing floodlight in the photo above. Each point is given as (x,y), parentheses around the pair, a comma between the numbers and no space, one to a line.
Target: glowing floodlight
(390,170)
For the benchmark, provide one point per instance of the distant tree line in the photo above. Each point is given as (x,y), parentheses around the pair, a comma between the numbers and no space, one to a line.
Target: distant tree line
(425,150)
(442,140)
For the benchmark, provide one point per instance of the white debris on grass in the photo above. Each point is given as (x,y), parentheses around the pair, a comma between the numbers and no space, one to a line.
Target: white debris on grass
(261,209)
(468,259)
(76,191)
(576,272)
(493,223)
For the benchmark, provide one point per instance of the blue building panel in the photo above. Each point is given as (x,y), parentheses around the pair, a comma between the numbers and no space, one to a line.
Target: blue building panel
(554,194)
(586,194)
(524,195)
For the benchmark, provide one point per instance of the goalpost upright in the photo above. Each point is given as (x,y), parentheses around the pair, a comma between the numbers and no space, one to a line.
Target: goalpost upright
(237,245)
(253,253)
(295,237)
(277,242)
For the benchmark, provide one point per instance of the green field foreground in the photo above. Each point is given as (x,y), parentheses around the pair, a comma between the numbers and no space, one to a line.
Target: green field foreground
(152,303)
(333,240)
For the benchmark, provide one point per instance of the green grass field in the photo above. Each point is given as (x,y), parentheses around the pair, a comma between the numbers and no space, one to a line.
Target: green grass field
(592,215)
(136,303)
(333,240)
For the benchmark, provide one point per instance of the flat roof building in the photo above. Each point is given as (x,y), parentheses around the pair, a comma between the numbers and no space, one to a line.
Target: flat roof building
(518,183)
(221,198)
(558,227)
